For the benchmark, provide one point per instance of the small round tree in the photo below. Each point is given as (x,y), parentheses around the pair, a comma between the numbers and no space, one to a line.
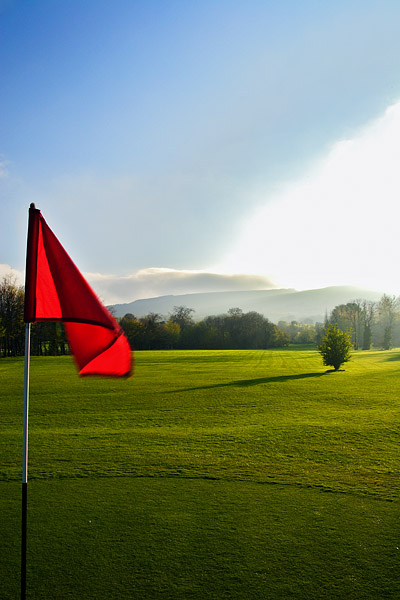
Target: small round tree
(335,348)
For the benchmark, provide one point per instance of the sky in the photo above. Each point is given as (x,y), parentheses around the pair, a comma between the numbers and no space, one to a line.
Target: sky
(180,146)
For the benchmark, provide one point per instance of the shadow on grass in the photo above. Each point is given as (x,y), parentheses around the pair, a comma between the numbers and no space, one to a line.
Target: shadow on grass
(250,382)
(393,357)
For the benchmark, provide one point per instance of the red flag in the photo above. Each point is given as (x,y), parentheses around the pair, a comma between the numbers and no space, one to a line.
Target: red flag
(55,290)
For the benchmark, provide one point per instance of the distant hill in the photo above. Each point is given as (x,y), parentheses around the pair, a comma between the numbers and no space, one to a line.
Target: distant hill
(276,305)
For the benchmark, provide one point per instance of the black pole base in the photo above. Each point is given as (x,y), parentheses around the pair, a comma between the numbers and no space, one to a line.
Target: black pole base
(23,539)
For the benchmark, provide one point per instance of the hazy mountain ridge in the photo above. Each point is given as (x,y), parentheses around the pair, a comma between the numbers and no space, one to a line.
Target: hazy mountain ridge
(275,304)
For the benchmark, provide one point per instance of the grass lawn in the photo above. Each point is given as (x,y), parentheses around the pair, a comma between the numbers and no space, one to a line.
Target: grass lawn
(210,474)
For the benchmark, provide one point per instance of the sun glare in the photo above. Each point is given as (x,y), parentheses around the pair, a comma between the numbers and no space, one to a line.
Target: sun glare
(338,225)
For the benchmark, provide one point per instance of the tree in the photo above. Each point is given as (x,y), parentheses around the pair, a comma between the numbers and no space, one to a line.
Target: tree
(11,317)
(171,333)
(387,311)
(354,314)
(319,333)
(48,339)
(339,317)
(132,329)
(151,329)
(182,315)
(368,314)
(236,326)
(349,316)
(335,347)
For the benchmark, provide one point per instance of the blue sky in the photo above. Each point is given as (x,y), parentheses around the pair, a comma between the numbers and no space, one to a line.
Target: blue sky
(165,141)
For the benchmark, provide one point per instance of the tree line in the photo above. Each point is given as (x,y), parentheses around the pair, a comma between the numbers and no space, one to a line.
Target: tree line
(46,338)
(368,324)
(234,330)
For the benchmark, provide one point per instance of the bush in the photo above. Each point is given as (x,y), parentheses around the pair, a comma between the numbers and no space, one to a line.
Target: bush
(335,348)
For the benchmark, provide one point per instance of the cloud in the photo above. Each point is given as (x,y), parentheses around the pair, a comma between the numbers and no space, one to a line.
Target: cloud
(6,270)
(336,225)
(153,282)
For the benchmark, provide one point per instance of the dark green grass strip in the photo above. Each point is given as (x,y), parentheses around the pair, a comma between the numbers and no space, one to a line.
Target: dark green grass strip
(180,539)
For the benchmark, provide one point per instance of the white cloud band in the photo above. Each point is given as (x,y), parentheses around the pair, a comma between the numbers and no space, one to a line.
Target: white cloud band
(149,283)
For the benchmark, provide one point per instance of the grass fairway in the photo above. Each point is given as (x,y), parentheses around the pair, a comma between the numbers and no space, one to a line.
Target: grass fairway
(209,475)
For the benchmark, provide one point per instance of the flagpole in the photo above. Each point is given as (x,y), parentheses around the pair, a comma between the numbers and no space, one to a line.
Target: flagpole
(25,461)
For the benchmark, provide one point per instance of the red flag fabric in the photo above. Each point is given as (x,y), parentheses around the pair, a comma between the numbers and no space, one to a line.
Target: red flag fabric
(55,290)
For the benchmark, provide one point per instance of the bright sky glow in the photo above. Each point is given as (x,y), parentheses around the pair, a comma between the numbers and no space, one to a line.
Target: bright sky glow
(338,224)
(179,146)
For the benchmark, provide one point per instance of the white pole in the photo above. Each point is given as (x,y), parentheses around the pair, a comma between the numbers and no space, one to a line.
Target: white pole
(25,461)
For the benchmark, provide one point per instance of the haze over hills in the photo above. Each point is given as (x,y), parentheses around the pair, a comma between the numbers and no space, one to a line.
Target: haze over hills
(275,304)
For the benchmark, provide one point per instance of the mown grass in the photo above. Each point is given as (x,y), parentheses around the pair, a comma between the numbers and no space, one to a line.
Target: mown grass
(232,474)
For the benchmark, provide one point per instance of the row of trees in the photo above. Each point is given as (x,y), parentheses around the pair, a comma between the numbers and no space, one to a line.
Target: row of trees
(233,330)
(302,333)
(11,318)
(367,323)
(151,332)
(46,338)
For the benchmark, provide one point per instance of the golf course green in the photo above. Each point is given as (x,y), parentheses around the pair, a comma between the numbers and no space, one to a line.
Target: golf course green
(208,475)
